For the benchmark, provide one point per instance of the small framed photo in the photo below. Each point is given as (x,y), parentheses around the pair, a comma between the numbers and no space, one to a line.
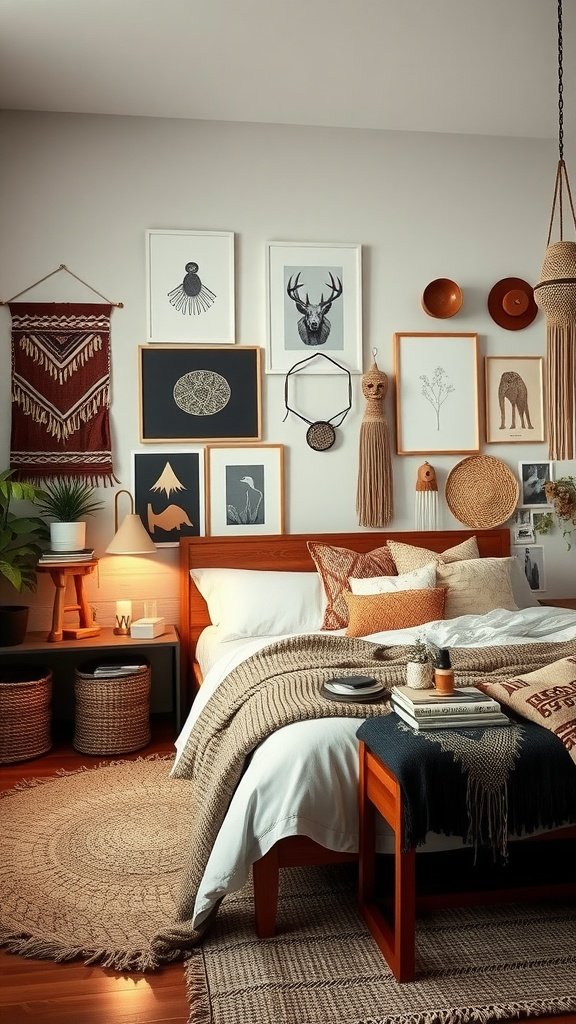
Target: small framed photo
(533,476)
(523,533)
(314,292)
(200,393)
(245,487)
(514,399)
(522,517)
(169,493)
(532,562)
(436,394)
(190,286)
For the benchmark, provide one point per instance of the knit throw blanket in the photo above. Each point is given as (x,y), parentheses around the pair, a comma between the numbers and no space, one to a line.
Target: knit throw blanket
(61,391)
(276,687)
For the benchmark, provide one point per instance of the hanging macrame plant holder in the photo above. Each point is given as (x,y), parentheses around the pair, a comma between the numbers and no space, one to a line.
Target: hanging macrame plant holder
(555,294)
(426,504)
(374,491)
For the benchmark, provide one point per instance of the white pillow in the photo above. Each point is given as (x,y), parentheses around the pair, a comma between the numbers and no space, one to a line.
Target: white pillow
(523,595)
(418,579)
(254,602)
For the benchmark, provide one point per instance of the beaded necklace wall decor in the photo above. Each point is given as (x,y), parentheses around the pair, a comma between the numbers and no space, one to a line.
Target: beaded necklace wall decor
(321,434)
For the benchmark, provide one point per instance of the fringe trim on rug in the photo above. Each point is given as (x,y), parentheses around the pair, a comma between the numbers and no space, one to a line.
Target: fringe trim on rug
(31,783)
(61,428)
(138,960)
(481,1014)
(197,989)
(60,373)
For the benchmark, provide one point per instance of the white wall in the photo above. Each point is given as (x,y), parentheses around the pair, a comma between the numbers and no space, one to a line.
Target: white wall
(82,190)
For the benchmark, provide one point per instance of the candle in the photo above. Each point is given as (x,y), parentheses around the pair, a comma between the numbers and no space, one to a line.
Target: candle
(123,614)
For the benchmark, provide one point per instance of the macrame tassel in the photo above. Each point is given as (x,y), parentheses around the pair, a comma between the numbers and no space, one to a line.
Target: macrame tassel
(374,491)
(426,505)
(561,385)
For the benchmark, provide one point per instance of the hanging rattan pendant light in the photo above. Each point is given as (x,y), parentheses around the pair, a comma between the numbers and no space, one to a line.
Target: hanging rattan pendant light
(556,296)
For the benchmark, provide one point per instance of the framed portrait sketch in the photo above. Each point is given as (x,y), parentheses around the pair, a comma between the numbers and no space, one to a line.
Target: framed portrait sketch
(533,476)
(200,393)
(314,292)
(532,561)
(190,286)
(245,487)
(514,399)
(436,394)
(169,493)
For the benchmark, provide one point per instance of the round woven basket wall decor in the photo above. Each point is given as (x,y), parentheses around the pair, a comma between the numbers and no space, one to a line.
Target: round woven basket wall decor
(481,492)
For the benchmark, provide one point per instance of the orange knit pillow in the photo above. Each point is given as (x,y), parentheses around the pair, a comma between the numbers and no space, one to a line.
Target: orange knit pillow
(373,613)
(335,565)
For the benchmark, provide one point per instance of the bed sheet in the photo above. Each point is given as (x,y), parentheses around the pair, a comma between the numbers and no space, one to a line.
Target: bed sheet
(303,779)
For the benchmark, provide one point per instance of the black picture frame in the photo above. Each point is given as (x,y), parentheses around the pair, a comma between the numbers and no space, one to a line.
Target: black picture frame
(200,393)
(168,485)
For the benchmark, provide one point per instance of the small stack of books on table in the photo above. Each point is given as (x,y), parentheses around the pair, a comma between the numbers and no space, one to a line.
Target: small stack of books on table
(467,707)
(62,557)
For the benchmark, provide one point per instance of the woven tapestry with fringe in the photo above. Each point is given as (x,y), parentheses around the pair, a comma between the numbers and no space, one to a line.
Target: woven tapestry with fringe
(61,391)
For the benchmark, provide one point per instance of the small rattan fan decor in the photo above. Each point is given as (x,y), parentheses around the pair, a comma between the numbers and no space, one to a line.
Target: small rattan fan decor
(482,492)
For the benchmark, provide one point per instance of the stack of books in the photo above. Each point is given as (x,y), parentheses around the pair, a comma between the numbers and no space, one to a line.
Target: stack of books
(61,557)
(467,707)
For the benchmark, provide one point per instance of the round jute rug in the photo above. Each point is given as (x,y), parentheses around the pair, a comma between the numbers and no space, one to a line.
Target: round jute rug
(91,862)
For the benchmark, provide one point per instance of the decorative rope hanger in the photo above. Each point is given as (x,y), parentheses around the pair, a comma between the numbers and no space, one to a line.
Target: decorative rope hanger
(321,434)
(5,302)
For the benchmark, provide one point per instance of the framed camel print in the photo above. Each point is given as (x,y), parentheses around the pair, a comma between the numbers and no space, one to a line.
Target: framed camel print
(514,399)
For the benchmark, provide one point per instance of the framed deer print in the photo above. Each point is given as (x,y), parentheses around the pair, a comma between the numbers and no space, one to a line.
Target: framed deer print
(314,292)
(169,493)
(514,399)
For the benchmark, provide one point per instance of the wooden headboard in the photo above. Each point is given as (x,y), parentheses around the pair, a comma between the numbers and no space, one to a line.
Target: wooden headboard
(289,552)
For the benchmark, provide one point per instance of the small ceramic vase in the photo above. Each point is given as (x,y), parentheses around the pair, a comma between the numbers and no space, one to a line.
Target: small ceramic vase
(419,675)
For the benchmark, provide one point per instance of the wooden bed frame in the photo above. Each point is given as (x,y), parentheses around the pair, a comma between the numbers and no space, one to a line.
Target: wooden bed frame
(288,552)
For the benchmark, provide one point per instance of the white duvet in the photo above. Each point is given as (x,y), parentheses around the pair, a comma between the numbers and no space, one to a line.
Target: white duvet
(303,779)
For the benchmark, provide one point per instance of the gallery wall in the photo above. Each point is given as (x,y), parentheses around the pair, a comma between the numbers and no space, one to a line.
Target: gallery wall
(83,190)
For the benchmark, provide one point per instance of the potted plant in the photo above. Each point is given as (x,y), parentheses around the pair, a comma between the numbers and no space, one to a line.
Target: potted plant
(419,668)
(561,494)
(68,503)
(21,537)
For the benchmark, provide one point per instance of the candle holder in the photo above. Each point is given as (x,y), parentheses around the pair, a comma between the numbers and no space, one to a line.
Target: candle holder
(123,618)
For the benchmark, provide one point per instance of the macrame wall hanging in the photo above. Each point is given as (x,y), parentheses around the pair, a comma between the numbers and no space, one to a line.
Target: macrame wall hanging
(556,297)
(374,491)
(321,434)
(61,388)
(426,504)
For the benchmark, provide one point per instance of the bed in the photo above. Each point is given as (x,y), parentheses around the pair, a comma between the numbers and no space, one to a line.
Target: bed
(311,758)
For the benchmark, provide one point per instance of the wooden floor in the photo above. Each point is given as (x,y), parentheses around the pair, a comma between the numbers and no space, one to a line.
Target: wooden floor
(43,992)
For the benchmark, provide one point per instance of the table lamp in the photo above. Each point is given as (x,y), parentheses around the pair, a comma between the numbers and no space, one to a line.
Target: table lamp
(130,538)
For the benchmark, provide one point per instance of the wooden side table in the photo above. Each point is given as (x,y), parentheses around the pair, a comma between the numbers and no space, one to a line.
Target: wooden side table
(60,574)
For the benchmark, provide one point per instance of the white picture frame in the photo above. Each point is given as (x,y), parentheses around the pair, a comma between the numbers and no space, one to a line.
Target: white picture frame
(169,488)
(245,489)
(323,275)
(531,558)
(184,304)
(532,477)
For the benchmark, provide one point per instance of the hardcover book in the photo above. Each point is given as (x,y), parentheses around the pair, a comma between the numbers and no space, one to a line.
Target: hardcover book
(426,703)
(465,721)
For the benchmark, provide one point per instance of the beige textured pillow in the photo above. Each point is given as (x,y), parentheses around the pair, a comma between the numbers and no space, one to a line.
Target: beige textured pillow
(476,586)
(335,565)
(546,696)
(408,557)
(372,613)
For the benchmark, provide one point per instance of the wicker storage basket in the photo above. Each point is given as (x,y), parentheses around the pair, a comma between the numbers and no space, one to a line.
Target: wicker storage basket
(25,699)
(112,713)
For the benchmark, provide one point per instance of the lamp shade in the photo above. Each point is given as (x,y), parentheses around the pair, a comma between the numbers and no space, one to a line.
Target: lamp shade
(131,538)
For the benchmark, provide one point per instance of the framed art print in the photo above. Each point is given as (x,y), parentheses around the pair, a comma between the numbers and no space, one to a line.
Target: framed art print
(514,399)
(200,393)
(190,286)
(531,559)
(169,493)
(436,394)
(533,476)
(314,292)
(245,487)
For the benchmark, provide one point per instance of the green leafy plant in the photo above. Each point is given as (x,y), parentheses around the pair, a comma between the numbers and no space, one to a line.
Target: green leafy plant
(68,501)
(561,494)
(21,536)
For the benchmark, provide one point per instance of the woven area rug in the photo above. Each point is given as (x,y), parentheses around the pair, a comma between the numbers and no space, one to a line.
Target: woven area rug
(473,964)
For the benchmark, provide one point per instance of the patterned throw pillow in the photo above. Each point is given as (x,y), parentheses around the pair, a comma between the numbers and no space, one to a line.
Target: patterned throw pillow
(335,565)
(373,613)
(546,696)
(408,557)
(476,586)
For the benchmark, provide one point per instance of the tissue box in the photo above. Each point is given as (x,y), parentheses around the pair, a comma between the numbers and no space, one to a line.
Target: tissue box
(147,629)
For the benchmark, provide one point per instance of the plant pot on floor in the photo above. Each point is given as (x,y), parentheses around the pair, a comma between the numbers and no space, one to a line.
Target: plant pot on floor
(13,624)
(68,536)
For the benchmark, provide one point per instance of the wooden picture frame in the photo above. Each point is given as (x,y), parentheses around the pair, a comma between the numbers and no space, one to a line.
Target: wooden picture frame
(437,409)
(200,393)
(190,287)
(169,491)
(514,399)
(314,294)
(245,489)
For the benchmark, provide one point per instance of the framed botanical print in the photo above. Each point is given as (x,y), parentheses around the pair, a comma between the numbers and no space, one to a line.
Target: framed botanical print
(436,394)
(314,292)
(168,485)
(514,399)
(245,488)
(190,286)
(200,393)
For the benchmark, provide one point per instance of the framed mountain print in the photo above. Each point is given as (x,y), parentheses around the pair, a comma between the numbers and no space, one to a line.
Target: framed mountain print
(169,493)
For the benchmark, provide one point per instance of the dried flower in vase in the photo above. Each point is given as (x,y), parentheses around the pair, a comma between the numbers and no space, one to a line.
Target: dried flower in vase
(561,494)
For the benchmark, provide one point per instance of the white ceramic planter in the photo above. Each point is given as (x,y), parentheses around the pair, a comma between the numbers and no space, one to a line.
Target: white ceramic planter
(419,675)
(67,536)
